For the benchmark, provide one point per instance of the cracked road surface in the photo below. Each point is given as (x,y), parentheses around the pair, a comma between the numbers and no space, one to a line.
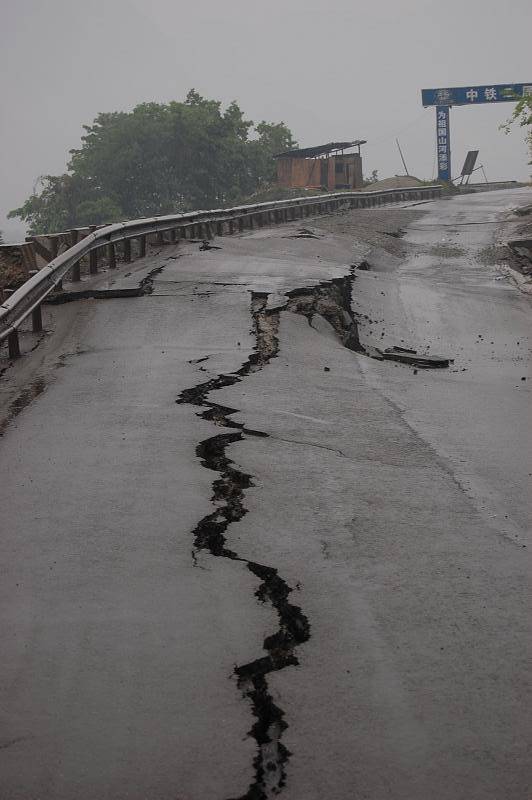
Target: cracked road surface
(243,560)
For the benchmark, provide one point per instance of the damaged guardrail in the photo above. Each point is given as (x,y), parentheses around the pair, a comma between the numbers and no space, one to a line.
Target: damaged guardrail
(27,300)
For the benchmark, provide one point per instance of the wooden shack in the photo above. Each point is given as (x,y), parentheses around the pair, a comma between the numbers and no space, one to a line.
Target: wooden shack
(326,166)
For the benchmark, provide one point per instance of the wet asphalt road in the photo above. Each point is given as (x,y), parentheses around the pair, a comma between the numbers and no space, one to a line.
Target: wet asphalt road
(449,297)
(394,506)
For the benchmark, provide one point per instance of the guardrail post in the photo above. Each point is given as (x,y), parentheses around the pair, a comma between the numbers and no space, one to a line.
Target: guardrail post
(13,345)
(36,319)
(127,251)
(142,242)
(75,272)
(160,237)
(241,223)
(111,255)
(93,262)
(92,228)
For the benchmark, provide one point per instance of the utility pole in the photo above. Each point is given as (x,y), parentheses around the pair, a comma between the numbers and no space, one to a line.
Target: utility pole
(402,157)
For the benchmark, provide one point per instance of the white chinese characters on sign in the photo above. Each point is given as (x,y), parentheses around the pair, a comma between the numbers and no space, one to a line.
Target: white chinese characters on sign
(471,95)
(442,143)
(444,96)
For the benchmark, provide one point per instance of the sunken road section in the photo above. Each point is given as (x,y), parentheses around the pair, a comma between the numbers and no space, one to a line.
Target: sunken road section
(331,300)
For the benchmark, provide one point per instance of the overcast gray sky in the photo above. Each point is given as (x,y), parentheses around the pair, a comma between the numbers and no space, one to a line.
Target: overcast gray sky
(330,70)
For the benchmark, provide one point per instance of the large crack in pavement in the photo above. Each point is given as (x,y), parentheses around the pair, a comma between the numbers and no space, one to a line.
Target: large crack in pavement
(332,300)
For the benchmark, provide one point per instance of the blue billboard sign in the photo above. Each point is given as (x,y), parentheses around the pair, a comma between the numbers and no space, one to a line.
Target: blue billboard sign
(443,143)
(473,95)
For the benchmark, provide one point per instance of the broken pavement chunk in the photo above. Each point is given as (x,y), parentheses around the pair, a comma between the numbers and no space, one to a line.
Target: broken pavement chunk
(398,349)
(303,233)
(374,352)
(407,356)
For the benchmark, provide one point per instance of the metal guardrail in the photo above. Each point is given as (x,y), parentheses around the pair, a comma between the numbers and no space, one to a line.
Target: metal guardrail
(27,300)
(490,186)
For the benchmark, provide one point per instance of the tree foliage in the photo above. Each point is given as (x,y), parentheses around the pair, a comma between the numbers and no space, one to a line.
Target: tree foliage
(374,177)
(157,159)
(522,114)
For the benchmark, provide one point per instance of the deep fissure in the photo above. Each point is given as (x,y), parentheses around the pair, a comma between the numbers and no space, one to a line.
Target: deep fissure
(332,300)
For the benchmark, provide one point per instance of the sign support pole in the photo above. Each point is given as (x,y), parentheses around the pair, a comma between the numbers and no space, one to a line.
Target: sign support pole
(443,144)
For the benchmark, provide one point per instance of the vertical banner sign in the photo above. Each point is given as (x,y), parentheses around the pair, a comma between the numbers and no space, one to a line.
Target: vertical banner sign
(443,143)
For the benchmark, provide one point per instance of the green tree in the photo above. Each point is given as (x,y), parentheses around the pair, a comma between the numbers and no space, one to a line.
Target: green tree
(374,177)
(522,114)
(54,203)
(272,138)
(157,159)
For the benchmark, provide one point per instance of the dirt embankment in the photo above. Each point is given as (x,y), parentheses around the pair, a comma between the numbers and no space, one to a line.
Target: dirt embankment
(511,251)
(373,229)
(397,182)
(11,275)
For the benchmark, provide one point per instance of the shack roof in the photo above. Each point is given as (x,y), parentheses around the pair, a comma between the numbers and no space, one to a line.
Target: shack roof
(320,150)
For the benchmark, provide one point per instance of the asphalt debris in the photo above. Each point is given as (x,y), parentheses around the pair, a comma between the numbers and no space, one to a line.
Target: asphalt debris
(406,355)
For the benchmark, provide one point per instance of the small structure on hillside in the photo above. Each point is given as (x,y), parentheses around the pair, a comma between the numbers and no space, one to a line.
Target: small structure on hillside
(326,166)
